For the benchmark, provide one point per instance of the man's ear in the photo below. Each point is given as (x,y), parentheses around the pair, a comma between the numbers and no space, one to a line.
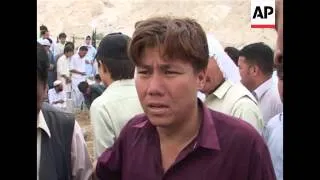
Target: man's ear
(201,78)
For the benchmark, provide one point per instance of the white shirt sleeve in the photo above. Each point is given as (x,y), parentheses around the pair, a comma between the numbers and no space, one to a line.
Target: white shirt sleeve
(72,63)
(81,164)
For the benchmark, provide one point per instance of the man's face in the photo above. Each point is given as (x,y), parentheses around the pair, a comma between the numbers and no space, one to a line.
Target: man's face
(88,40)
(245,73)
(214,76)
(62,40)
(69,54)
(46,35)
(82,53)
(167,89)
(41,93)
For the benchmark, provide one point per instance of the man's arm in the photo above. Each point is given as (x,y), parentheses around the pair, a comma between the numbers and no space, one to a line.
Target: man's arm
(72,66)
(80,160)
(77,72)
(248,111)
(103,128)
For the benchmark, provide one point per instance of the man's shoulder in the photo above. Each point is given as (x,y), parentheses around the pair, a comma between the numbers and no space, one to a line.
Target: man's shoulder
(98,102)
(56,118)
(243,92)
(232,126)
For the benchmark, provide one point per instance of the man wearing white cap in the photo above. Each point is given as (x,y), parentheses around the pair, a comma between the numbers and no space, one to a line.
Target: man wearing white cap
(224,91)
(52,73)
(57,97)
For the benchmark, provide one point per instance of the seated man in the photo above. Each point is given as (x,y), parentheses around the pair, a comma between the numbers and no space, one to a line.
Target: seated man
(57,96)
(90,92)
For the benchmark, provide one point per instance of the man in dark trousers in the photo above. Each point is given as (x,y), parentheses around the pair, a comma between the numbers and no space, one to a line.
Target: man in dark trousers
(61,149)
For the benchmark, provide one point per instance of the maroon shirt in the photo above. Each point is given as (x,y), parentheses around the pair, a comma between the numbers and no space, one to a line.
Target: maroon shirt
(225,149)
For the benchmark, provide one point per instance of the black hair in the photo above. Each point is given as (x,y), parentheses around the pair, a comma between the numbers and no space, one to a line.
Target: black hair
(82,86)
(42,63)
(83,48)
(68,43)
(62,35)
(43,28)
(97,77)
(259,54)
(116,58)
(233,53)
(67,49)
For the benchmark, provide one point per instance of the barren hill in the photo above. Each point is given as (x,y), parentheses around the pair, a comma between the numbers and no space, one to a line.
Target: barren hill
(228,19)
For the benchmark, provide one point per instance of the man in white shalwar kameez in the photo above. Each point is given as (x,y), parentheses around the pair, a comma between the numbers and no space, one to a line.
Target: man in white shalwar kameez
(78,74)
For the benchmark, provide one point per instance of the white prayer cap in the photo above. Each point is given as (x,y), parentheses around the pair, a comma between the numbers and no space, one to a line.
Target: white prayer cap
(57,82)
(228,68)
(45,42)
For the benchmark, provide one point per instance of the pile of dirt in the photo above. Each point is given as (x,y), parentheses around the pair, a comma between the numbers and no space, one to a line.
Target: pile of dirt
(83,119)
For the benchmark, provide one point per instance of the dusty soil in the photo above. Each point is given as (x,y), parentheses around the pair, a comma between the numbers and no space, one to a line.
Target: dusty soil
(84,122)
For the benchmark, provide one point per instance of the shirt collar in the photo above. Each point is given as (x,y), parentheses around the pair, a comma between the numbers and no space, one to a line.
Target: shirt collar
(263,88)
(222,89)
(207,136)
(42,124)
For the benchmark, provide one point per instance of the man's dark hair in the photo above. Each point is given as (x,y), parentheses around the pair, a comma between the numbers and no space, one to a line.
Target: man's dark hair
(259,54)
(68,43)
(83,48)
(62,35)
(177,38)
(233,53)
(42,63)
(82,86)
(67,49)
(97,77)
(88,37)
(43,28)
(113,54)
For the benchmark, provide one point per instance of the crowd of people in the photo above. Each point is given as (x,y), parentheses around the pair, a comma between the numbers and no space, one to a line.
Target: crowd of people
(167,102)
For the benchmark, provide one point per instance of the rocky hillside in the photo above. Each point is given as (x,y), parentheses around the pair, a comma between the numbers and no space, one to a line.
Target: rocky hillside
(228,19)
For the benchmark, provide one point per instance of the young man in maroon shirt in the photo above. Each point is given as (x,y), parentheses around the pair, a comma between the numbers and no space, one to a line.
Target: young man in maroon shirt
(178,137)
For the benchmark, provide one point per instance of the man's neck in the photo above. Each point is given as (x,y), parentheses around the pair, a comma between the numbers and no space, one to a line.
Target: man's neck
(260,81)
(181,133)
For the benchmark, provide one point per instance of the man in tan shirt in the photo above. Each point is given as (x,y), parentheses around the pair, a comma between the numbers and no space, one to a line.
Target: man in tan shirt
(224,93)
(119,102)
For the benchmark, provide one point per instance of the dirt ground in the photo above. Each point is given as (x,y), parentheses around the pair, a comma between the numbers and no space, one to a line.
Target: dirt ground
(84,122)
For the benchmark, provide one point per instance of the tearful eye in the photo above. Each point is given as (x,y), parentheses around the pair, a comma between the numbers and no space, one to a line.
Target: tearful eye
(142,72)
(170,72)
